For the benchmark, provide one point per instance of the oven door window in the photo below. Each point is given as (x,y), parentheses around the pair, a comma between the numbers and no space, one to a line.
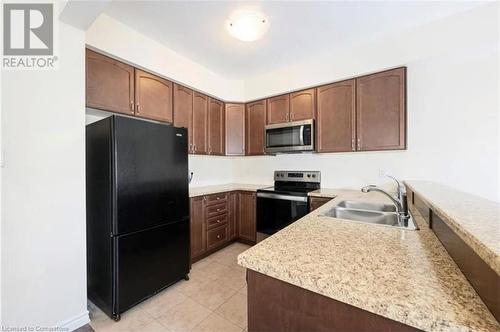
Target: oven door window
(278,137)
(275,214)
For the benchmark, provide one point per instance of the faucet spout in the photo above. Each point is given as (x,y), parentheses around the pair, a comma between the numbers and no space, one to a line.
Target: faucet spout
(396,201)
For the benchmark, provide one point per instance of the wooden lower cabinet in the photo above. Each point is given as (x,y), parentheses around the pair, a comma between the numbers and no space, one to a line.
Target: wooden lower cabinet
(316,202)
(247,216)
(233,216)
(274,305)
(219,219)
(198,226)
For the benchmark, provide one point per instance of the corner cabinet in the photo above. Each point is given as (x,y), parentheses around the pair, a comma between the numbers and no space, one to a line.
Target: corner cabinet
(235,129)
(255,127)
(216,127)
(153,97)
(381,111)
(109,84)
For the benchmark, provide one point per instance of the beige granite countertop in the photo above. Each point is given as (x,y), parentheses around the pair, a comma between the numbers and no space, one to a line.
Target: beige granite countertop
(323,192)
(474,219)
(403,275)
(215,189)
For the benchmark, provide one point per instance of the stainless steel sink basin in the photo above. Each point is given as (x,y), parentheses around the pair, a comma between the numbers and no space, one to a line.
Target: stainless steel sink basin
(372,217)
(378,214)
(367,206)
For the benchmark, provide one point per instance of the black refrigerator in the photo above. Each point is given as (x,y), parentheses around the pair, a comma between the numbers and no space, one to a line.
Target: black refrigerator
(137,210)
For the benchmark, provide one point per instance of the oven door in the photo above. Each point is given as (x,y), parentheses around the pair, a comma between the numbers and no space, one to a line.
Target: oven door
(276,211)
(290,137)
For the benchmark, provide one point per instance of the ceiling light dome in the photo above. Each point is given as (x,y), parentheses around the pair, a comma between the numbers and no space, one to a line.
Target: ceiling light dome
(247,26)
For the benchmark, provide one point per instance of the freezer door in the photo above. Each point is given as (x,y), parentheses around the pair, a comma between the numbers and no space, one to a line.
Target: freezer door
(150,260)
(151,174)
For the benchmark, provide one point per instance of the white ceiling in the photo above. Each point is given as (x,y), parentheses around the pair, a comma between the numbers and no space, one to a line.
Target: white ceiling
(298,30)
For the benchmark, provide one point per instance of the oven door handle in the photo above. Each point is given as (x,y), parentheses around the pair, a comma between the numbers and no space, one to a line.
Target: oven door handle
(283,197)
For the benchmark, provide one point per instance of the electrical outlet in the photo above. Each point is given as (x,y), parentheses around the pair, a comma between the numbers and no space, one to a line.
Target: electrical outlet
(382,172)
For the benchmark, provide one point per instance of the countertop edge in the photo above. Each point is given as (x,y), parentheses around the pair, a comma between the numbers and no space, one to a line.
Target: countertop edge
(480,248)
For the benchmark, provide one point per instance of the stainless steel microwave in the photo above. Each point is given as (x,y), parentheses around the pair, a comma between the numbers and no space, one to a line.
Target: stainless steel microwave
(297,136)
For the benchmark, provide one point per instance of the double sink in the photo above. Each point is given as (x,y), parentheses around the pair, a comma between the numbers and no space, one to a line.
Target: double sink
(372,213)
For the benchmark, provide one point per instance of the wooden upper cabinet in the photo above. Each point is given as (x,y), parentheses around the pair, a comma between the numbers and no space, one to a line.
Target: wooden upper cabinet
(247,216)
(336,118)
(153,97)
(109,84)
(278,109)
(235,129)
(200,123)
(216,128)
(381,111)
(183,110)
(303,105)
(255,127)
(198,226)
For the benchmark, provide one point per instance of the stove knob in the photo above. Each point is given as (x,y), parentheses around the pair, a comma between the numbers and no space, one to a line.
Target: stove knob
(308,175)
(314,175)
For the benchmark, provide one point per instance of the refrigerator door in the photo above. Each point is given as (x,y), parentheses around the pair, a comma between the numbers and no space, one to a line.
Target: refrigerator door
(150,260)
(151,174)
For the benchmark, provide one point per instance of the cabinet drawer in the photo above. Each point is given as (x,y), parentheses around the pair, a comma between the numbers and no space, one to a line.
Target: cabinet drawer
(216,209)
(217,237)
(216,198)
(217,221)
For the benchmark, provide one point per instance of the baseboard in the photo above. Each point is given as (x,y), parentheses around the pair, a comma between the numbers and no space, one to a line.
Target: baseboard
(75,322)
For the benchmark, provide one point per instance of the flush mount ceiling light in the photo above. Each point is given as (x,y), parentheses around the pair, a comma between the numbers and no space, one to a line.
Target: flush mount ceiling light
(247,26)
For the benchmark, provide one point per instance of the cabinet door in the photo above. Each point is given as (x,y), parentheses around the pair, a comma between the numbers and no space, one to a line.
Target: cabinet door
(200,123)
(336,118)
(109,84)
(247,222)
(183,110)
(303,105)
(381,111)
(316,202)
(235,129)
(233,215)
(216,139)
(153,97)
(278,109)
(198,227)
(255,127)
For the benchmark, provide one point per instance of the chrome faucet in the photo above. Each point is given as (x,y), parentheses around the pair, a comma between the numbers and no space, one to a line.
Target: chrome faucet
(401,190)
(395,200)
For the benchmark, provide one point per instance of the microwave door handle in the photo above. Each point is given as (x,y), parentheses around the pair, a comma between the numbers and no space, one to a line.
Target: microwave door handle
(301,134)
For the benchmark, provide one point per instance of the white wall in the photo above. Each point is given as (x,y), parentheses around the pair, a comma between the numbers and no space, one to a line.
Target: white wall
(453,107)
(43,189)
(111,36)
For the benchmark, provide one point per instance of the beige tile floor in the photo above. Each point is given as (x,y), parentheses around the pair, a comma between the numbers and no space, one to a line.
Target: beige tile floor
(214,299)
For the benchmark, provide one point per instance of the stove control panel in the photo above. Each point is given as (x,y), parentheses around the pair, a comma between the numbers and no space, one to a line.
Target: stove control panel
(298,176)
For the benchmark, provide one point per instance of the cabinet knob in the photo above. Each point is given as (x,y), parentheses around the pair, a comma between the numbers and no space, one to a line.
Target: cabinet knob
(218,221)
(218,236)
(218,210)
(218,197)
